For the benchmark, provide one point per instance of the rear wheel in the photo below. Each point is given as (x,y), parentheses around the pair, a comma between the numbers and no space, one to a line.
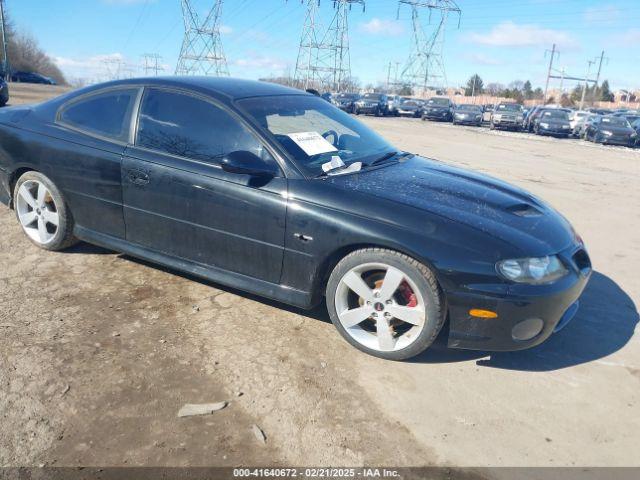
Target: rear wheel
(42,212)
(385,303)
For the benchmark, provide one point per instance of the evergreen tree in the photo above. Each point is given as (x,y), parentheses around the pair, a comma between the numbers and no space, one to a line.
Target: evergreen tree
(475,86)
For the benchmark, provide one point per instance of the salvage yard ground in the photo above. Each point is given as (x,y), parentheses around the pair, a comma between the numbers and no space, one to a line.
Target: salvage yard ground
(99,351)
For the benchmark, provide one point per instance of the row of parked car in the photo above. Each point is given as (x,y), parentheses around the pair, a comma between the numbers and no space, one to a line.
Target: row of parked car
(619,127)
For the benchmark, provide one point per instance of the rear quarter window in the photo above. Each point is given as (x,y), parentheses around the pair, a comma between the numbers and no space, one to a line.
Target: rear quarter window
(104,114)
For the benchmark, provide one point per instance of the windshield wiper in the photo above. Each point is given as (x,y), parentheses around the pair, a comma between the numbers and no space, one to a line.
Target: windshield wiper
(388,156)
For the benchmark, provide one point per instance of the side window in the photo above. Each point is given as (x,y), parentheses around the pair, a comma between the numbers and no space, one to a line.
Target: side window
(106,114)
(183,125)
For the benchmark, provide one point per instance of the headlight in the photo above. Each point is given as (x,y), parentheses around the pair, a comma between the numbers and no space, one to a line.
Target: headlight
(532,270)
(634,135)
(607,133)
(544,125)
(565,126)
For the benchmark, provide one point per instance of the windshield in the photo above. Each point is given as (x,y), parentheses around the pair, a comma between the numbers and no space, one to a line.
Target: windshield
(347,96)
(371,96)
(556,114)
(509,107)
(439,101)
(313,131)
(615,122)
(410,103)
(469,108)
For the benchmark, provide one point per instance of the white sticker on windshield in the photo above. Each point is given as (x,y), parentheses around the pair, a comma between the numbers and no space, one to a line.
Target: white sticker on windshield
(312,143)
(336,162)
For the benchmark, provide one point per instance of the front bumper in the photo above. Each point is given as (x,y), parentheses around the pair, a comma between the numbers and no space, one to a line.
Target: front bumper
(467,120)
(536,310)
(369,109)
(511,123)
(437,115)
(622,141)
(557,132)
(409,113)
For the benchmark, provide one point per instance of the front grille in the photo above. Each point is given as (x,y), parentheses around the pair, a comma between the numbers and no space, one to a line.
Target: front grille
(582,261)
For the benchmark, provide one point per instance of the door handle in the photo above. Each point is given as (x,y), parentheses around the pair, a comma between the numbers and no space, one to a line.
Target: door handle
(138,178)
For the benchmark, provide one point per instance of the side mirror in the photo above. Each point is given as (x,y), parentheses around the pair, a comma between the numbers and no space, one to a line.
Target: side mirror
(247,163)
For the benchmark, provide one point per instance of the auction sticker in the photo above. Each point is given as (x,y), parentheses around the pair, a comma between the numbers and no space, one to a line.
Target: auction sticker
(312,143)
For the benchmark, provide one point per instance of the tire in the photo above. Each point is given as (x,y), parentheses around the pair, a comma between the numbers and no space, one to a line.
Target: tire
(416,284)
(39,205)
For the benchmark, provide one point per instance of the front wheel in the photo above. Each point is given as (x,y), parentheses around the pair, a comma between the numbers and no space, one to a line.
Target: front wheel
(385,303)
(42,212)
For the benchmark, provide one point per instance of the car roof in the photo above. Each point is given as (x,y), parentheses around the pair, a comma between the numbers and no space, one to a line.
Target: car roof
(232,88)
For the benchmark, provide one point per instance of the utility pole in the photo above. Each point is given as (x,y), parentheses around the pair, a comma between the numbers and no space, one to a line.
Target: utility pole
(5,59)
(586,82)
(201,52)
(595,87)
(562,73)
(425,64)
(389,77)
(554,52)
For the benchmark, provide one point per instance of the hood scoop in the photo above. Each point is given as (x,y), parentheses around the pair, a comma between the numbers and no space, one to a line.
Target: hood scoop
(524,210)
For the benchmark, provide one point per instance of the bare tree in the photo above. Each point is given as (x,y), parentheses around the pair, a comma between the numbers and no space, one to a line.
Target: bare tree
(26,55)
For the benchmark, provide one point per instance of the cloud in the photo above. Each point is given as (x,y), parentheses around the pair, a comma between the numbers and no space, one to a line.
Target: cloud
(510,34)
(225,29)
(603,15)
(125,2)
(482,59)
(378,26)
(627,38)
(97,67)
(262,62)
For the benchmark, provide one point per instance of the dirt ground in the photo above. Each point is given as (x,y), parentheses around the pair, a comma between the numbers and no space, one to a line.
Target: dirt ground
(99,351)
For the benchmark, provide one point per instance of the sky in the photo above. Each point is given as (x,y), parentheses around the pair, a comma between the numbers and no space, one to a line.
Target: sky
(501,40)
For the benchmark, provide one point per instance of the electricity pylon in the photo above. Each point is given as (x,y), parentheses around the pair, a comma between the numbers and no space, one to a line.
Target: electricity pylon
(202,52)
(323,61)
(425,65)
(151,64)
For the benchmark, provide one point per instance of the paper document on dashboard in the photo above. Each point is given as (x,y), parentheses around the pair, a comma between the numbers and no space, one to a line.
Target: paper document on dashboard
(312,143)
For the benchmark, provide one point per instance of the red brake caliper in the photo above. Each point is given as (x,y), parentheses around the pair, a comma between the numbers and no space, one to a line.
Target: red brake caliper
(408,295)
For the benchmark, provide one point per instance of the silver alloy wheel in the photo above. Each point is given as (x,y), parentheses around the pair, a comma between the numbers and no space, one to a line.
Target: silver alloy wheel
(376,315)
(37,212)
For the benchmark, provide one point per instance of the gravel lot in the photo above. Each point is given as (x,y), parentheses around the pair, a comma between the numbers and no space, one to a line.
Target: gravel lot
(99,351)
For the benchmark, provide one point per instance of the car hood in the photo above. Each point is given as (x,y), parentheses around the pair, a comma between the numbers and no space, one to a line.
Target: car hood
(618,130)
(481,202)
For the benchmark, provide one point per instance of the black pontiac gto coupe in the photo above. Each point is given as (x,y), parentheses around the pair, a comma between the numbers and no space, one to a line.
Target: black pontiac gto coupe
(277,192)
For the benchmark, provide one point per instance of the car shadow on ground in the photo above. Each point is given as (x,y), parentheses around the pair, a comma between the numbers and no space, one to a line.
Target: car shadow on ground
(604,324)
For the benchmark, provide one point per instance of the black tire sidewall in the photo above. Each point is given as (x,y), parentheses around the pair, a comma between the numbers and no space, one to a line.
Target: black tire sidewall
(64,236)
(432,298)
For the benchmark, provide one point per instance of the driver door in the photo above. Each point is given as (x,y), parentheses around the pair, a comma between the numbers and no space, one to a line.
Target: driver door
(179,201)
